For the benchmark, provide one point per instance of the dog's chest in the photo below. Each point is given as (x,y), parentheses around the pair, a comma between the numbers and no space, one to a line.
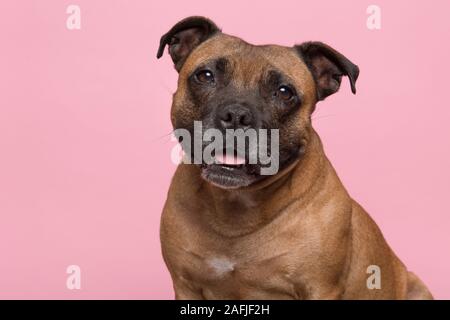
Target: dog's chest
(223,276)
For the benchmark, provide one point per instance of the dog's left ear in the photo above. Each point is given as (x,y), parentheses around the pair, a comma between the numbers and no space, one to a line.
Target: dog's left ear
(327,67)
(184,37)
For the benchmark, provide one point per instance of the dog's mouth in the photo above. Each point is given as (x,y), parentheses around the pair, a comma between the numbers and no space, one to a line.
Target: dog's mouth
(230,172)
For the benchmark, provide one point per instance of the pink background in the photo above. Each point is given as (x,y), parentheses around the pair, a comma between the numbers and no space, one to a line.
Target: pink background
(84,124)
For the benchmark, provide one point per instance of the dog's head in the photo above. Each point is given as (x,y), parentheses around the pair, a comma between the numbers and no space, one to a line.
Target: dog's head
(227,83)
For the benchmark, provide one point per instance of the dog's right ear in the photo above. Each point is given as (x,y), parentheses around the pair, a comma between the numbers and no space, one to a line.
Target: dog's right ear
(184,37)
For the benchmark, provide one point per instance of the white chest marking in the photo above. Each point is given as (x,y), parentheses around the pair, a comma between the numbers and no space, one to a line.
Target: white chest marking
(220,266)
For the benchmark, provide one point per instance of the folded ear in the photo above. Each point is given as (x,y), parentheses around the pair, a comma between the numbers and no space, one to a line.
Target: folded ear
(327,67)
(184,37)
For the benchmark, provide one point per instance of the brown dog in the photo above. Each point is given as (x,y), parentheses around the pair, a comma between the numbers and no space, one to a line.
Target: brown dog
(227,231)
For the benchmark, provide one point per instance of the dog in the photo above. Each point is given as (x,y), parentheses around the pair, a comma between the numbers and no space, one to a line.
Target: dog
(229,232)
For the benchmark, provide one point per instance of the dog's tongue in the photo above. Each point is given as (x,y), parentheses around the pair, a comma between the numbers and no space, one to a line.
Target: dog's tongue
(230,160)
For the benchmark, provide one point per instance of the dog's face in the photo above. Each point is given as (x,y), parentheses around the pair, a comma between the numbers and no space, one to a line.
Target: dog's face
(227,83)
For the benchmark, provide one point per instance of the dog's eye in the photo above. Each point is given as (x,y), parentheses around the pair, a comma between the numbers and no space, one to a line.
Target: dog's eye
(285,93)
(205,76)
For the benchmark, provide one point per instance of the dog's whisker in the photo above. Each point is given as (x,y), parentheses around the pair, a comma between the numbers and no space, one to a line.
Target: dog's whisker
(323,116)
(167,135)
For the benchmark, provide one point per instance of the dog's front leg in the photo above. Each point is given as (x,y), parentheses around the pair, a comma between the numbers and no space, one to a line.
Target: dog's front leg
(319,291)
(183,291)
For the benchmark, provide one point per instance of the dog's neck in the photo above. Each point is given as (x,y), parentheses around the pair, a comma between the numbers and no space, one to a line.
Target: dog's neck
(242,211)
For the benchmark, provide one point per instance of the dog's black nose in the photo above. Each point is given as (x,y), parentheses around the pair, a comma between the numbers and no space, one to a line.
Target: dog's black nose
(235,116)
